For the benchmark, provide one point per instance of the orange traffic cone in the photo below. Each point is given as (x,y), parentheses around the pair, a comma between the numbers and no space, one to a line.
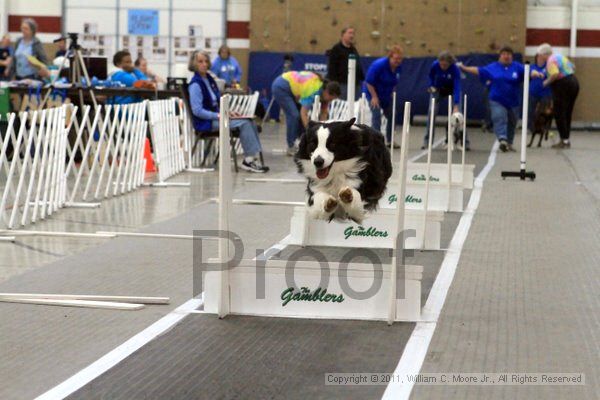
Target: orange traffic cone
(148,157)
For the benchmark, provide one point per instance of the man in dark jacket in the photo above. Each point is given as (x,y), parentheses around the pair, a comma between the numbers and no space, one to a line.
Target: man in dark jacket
(337,64)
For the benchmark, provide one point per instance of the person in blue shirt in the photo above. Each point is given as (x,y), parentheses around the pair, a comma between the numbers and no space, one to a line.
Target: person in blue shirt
(127,74)
(28,48)
(444,80)
(380,83)
(506,77)
(204,102)
(537,91)
(226,67)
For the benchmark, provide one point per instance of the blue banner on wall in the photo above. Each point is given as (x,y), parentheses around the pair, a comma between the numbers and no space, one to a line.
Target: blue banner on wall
(264,67)
(142,22)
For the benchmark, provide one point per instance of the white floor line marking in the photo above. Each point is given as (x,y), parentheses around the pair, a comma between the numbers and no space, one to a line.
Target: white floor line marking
(418,343)
(120,353)
(117,355)
(424,152)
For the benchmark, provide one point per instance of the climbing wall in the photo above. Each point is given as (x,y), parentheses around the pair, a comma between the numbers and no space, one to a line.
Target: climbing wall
(423,27)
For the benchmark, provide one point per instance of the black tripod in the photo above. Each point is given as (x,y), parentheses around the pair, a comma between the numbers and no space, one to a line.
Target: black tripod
(77,68)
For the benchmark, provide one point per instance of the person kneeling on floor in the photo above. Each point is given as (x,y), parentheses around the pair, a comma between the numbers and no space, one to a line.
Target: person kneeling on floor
(204,101)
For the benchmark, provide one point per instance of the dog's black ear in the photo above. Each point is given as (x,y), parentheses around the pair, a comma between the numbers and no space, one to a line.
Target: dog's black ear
(311,124)
(349,123)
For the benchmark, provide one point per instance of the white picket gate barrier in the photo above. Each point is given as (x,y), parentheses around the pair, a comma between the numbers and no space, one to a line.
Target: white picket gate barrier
(35,184)
(112,153)
(168,140)
(234,291)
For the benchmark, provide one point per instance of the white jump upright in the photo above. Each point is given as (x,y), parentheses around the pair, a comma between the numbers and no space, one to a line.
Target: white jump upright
(167,140)
(234,291)
(523,174)
(351,86)
(393,124)
(449,154)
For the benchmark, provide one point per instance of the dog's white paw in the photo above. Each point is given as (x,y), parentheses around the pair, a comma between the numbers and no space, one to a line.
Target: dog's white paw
(346,195)
(323,206)
(351,201)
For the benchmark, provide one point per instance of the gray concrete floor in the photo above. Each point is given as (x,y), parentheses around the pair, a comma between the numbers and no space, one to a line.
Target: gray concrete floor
(52,343)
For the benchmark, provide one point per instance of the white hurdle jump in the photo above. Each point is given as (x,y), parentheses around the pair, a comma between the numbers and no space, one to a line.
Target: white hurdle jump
(233,291)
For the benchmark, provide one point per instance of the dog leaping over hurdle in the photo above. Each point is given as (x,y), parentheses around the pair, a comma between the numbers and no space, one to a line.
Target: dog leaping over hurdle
(347,166)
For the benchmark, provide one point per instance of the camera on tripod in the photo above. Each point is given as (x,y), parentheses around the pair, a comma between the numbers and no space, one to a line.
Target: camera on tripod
(73,36)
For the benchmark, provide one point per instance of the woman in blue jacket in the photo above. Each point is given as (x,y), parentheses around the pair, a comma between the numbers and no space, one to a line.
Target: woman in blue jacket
(204,101)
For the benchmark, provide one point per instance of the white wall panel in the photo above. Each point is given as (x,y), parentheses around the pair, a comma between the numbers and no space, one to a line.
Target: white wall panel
(238,10)
(35,7)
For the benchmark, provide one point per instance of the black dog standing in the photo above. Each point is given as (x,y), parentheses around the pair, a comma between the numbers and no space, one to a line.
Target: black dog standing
(347,167)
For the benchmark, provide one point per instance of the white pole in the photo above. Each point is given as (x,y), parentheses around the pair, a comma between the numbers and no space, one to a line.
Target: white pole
(464,138)
(524,119)
(225,182)
(450,149)
(351,85)
(573,39)
(363,108)
(393,124)
(426,202)
(400,211)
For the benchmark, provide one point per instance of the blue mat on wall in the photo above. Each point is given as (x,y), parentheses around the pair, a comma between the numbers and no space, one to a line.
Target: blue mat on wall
(264,67)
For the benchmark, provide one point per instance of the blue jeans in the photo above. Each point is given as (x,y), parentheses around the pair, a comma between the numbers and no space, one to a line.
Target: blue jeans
(248,135)
(376,122)
(436,95)
(504,120)
(287,101)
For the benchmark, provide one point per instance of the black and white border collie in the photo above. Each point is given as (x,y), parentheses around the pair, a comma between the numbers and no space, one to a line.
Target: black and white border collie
(347,167)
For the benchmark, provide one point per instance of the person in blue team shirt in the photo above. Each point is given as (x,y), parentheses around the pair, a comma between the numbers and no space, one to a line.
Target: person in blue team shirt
(505,76)
(537,91)
(380,83)
(127,74)
(226,67)
(204,102)
(444,80)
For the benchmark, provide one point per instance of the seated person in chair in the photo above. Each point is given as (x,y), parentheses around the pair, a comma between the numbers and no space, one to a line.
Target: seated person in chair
(129,76)
(204,101)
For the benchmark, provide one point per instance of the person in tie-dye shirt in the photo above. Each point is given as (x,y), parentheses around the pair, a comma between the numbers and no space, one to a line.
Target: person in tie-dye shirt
(565,88)
(302,87)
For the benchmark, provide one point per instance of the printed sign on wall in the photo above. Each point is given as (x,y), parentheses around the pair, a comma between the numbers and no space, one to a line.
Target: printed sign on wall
(142,22)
